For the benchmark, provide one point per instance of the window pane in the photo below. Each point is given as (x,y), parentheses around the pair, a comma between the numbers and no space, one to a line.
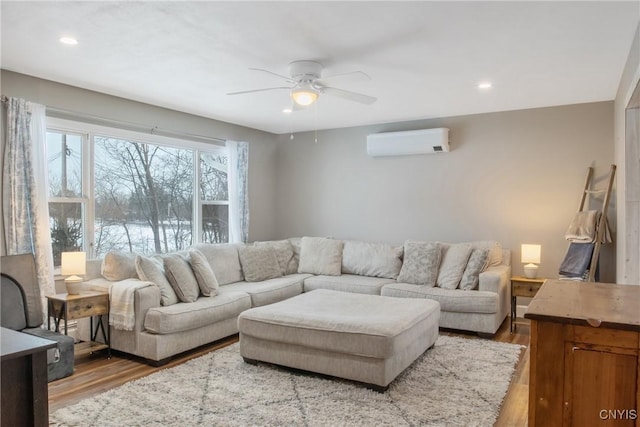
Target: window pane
(213,177)
(215,223)
(65,220)
(64,152)
(143,196)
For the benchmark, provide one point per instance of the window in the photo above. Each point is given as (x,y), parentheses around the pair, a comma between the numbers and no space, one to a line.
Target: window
(67,201)
(117,190)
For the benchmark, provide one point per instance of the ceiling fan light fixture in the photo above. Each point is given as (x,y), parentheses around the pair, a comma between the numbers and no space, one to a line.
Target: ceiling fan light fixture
(304,96)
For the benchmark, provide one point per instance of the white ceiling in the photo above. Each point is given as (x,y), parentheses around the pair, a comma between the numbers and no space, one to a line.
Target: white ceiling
(425,58)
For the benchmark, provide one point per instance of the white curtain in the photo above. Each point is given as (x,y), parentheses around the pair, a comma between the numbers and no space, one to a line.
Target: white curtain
(238,191)
(25,187)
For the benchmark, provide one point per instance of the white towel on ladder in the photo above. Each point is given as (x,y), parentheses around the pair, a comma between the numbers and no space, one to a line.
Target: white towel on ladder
(583,227)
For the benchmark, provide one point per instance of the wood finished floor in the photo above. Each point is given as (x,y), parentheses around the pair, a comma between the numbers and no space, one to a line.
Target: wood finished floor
(95,374)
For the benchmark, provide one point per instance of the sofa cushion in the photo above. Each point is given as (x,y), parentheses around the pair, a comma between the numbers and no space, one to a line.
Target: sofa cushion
(269,291)
(259,263)
(285,254)
(319,255)
(454,261)
(204,311)
(181,277)
(151,269)
(421,261)
(452,300)
(224,261)
(204,274)
(347,283)
(478,261)
(371,259)
(118,266)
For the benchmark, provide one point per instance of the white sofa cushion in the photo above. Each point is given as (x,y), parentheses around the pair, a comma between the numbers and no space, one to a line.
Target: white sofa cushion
(347,283)
(224,261)
(478,261)
(451,300)
(319,255)
(371,259)
(204,311)
(151,269)
(259,263)
(454,261)
(204,274)
(421,262)
(269,291)
(118,266)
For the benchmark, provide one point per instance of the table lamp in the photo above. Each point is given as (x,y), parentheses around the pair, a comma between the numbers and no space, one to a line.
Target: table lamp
(73,265)
(530,255)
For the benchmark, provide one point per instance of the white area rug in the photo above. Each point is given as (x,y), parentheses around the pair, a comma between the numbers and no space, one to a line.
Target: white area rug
(459,382)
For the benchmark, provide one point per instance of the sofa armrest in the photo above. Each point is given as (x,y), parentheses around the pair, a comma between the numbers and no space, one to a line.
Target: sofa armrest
(493,279)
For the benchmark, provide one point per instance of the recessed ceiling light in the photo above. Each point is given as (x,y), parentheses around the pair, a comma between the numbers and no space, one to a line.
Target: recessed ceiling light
(287,110)
(68,40)
(484,85)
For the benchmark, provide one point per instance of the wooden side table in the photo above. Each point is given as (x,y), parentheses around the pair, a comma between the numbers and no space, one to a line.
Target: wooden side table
(522,287)
(77,306)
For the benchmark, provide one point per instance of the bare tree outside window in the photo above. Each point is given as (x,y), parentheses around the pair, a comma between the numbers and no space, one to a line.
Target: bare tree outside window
(144,196)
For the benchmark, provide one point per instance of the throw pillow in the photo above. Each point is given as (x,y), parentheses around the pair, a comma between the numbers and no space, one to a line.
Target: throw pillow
(454,261)
(495,250)
(259,263)
(151,269)
(371,259)
(322,256)
(478,262)
(181,277)
(224,261)
(284,253)
(204,274)
(420,265)
(295,262)
(118,266)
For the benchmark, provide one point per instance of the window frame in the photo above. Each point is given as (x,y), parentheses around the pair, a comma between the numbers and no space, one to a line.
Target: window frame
(89,131)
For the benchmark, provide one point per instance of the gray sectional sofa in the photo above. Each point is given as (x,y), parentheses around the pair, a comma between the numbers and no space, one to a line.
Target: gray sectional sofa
(262,273)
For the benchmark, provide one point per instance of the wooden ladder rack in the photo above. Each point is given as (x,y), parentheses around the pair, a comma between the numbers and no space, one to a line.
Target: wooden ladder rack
(602,223)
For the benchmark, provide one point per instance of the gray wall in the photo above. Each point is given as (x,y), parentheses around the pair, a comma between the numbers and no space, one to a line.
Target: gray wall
(262,152)
(515,177)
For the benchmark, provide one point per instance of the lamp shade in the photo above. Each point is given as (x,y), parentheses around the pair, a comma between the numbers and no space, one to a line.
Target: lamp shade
(530,254)
(304,96)
(73,263)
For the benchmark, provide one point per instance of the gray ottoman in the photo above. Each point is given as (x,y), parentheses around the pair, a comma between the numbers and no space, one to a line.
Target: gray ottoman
(366,338)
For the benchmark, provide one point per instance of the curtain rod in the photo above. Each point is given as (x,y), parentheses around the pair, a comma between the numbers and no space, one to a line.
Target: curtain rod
(155,130)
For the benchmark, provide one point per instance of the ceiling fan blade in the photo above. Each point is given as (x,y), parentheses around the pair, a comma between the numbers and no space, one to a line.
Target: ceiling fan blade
(353,76)
(258,90)
(287,79)
(351,96)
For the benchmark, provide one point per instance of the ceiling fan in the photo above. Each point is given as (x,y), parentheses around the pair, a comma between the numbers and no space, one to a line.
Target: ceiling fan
(306,84)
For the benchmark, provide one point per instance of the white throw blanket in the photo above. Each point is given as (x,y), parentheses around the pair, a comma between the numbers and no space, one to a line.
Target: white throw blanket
(583,227)
(121,296)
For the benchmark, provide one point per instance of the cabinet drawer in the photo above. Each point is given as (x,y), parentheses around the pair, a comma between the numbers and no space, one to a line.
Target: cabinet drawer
(605,337)
(85,307)
(525,289)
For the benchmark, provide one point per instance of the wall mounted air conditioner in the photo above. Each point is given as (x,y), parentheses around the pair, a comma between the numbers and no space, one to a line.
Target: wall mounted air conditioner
(423,141)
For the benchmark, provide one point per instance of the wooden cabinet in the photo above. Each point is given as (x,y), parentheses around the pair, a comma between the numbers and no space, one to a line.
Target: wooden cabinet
(585,346)
(24,392)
